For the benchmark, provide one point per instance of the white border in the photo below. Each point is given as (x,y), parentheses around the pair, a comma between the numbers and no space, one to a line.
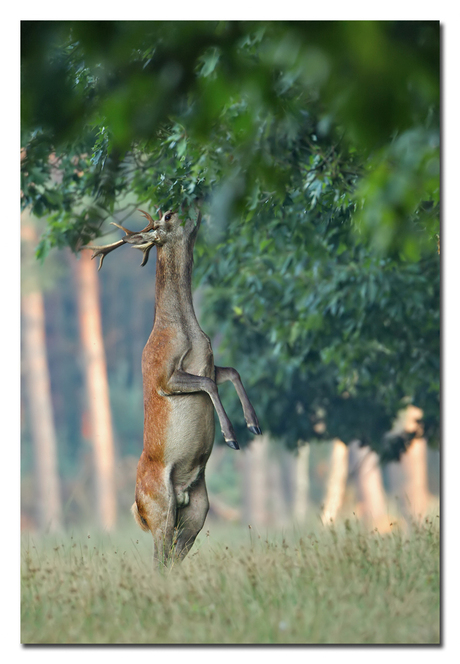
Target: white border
(84,10)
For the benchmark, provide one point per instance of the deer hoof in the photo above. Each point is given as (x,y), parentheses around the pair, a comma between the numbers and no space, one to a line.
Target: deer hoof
(257,431)
(233,444)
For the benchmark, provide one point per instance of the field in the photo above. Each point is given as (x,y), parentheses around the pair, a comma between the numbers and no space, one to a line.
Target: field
(328,586)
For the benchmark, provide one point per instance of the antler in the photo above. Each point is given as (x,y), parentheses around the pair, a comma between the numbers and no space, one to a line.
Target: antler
(145,247)
(138,242)
(151,224)
(103,251)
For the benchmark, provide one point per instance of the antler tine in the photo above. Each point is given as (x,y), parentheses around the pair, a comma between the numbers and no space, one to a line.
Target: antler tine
(145,247)
(106,249)
(101,260)
(151,221)
(103,251)
(145,257)
(127,231)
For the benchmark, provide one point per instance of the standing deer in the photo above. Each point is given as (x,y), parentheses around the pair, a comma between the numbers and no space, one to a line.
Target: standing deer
(180,394)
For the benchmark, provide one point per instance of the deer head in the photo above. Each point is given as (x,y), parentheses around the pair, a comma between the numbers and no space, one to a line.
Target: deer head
(169,228)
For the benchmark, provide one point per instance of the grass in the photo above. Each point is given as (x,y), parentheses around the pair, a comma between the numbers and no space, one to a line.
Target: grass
(341,585)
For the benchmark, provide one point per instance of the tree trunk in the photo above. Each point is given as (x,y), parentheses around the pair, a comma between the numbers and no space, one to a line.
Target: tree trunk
(301,483)
(97,389)
(278,510)
(255,490)
(244,471)
(217,506)
(414,465)
(370,487)
(48,503)
(395,475)
(41,413)
(337,482)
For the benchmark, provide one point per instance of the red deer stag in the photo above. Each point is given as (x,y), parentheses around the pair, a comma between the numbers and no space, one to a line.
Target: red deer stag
(180,393)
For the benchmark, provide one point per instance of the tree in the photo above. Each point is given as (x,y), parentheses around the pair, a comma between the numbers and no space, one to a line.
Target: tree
(413,471)
(171,109)
(97,392)
(338,337)
(48,503)
(371,492)
(301,483)
(336,483)
(414,463)
(255,479)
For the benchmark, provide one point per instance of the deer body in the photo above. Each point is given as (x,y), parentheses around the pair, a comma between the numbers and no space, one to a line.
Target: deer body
(180,395)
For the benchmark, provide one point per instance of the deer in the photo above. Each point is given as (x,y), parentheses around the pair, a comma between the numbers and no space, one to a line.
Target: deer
(180,393)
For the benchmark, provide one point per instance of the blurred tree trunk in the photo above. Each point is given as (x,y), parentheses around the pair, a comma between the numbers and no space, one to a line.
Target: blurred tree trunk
(254,464)
(97,389)
(337,482)
(244,471)
(395,475)
(415,469)
(414,463)
(48,503)
(218,508)
(278,509)
(370,487)
(301,483)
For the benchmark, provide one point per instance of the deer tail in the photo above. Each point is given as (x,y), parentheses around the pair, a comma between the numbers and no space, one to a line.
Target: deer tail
(138,519)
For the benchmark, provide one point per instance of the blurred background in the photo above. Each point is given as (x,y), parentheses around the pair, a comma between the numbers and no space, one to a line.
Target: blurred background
(82,337)
(313,148)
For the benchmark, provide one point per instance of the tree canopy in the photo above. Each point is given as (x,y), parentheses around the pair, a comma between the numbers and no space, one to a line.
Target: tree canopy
(315,148)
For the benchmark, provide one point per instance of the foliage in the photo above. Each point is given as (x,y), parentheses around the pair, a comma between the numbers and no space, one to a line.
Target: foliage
(314,148)
(338,338)
(169,109)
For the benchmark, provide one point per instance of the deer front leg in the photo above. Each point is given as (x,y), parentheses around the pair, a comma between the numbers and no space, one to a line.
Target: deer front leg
(182,382)
(228,373)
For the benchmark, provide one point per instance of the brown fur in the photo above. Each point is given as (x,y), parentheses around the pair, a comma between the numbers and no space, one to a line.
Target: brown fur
(157,409)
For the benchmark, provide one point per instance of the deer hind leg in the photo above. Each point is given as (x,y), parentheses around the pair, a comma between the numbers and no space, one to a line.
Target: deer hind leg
(228,373)
(156,511)
(191,518)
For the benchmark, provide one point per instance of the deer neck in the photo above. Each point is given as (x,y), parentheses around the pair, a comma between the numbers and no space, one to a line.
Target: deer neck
(173,285)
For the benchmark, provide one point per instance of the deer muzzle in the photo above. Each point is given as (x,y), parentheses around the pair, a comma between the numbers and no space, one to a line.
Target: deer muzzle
(143,240)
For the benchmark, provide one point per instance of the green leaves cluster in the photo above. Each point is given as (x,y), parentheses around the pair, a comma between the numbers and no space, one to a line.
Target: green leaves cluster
(234,102)
(339,337)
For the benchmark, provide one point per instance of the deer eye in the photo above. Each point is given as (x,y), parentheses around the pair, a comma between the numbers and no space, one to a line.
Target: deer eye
(167,217)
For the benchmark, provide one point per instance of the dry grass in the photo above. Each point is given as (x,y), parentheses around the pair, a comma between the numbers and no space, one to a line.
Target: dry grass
(332,586)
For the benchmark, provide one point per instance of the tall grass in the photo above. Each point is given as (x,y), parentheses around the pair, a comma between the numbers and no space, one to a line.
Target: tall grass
(344,585)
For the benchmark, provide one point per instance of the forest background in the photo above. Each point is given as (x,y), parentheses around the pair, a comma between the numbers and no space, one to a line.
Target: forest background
(319,177)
